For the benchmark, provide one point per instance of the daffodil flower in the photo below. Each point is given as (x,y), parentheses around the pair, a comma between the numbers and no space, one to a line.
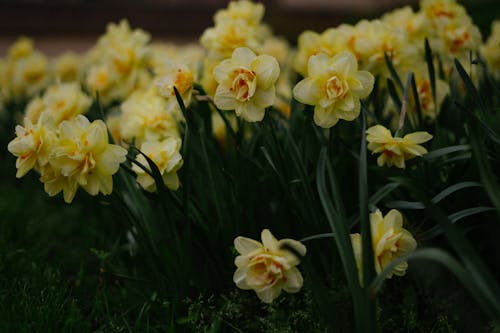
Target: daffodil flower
(395,151)
(334,86)
(246,84)
(390,241)
(268,267)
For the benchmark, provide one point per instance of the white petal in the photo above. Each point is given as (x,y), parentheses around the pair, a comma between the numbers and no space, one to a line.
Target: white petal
(243,56)
(267,70)
(239,278)
(224,99)
(325,118)
(250,112)
(309,91)
(294,280)
(246,245)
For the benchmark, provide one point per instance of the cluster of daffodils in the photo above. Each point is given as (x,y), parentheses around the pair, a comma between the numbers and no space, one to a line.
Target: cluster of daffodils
(117,65)
(389,240)
(63,146)
(400,35)
(268,267)
(395,150)
(24,72)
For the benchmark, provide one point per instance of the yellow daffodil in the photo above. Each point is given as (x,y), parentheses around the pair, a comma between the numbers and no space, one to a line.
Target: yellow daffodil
(331,42)
(390,241)
(31,145)
(179,76)
(21,48)
(334,86)
(147,117)
(67,67)
(491,50)
(395,150)
(83,154)
(246,84)
(227,36)
(65,101)
(165,154)
(245,10)
(268,267)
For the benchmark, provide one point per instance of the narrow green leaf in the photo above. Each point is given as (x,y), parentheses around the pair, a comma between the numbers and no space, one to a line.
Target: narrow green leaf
(429,59)
(488,177)
(417,100)
(382,193)
(393,72)
(473,263)
(394,95)
(444,151)
(469,85)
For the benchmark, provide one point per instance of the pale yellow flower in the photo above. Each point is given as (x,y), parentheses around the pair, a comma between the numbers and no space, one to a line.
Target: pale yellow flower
(68,67)
(165,154)
(179,76)
(117,65)
(491,50)
(244,10)
(21,48)
(334,86)
(65,101)
(147,117)
(227,36)
(34,110)
(389,240)
(397,150)
(268,267)
(84,155)
(29,75)
(450,30)
(31,145)
(331,42)
(246,84)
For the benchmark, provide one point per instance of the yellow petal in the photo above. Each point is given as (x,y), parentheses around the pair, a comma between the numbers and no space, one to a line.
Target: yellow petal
(243,56)
(293,280)
(267,70)
(417,137)
(308,91)
(269,241)
(325,118)
(246,245)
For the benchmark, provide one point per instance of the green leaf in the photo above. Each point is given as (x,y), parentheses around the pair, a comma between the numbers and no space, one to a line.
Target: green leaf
(488,177)
(393,72)
(444,151)
(432,73)
(483,279)
(470,86)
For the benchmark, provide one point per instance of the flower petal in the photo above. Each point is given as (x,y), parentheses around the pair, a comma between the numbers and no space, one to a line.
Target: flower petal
(246,245)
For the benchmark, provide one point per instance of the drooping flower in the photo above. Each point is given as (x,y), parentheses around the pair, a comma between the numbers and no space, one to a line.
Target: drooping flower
(390,241)
(165,154)
(246,83)
(268,267)
(334,86)
(395,150)
(83,155)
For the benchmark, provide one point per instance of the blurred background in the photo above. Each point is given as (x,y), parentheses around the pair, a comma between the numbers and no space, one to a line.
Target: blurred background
(59,25)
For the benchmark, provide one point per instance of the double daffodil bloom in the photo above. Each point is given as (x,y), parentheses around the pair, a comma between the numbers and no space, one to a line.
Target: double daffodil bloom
(334,86)
(395,151)
(165,154)
(268,267)
(390,241)
(84,155)
(246,83)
